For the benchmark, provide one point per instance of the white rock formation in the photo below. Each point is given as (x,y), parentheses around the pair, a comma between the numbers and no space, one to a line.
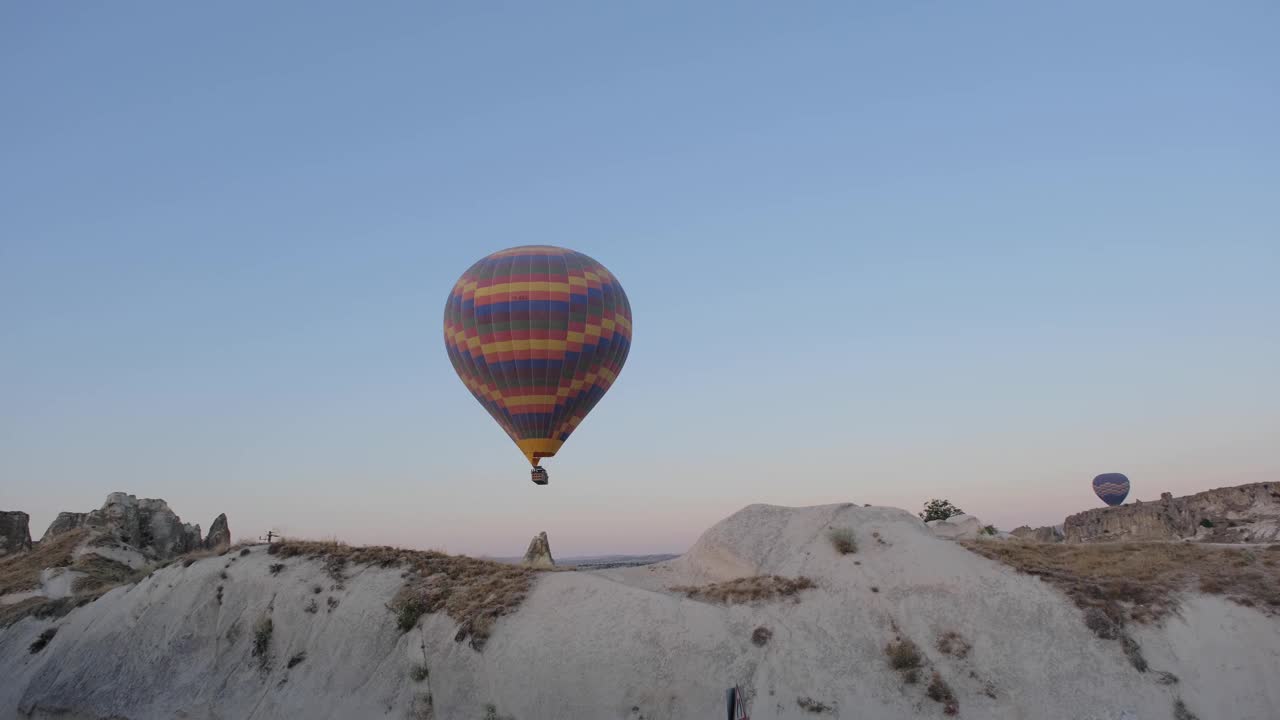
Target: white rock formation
(539,553)
(147,525)
(621,644)
(957,527)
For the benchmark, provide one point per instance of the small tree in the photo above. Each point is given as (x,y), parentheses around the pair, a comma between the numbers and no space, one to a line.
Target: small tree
(939,510)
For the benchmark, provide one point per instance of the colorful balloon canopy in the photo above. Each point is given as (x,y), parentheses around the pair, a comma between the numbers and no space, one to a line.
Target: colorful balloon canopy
(538,334)
(1113,488)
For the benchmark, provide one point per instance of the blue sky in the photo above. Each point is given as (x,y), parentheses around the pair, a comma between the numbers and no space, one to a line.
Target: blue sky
(877,252)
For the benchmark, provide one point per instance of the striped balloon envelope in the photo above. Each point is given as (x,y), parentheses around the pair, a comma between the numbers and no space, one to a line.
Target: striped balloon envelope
(538,334)
(1113,488)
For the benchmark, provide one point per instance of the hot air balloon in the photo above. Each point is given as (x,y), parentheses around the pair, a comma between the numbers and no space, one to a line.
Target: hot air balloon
(538,334)
(1113,488)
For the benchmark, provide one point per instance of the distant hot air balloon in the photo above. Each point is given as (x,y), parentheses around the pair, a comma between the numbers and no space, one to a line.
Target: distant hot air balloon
(1113,488)
(538,334)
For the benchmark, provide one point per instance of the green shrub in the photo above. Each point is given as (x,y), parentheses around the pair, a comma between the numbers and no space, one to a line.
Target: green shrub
(410,611)
(939,510)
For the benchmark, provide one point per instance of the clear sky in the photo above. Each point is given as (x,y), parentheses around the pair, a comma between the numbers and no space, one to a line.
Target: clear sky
(877,252)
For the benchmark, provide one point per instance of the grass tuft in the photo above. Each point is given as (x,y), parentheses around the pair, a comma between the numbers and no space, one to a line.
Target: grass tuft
(262,640)
(761,636)
(409,612)
(843,540)
(40,642)
(1181,712)
(810,705)
(940,691)
(903,655)
(953,644)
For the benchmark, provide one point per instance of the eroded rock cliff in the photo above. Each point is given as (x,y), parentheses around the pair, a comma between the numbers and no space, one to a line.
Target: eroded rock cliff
(1244,513)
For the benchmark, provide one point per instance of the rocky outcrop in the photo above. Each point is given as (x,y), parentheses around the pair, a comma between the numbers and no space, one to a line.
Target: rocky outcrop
(1245,513)
(595,644)
(1046,534)
(539,552)
(146,524)
(219,534)
(957,527)
(65,522)
(15,533)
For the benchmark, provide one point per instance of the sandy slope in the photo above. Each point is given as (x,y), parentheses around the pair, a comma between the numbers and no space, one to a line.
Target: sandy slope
(619,644)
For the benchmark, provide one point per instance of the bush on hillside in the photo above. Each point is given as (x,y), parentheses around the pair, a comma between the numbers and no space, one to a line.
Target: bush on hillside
(939,510)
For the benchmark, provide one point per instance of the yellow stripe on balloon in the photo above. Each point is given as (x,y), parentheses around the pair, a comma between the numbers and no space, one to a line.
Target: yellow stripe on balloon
(522,400)
(548,344)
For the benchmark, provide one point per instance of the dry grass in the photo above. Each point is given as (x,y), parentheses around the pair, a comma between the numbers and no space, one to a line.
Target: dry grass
(474,593)
(21,572)
(761,636)
(843,540)
(41,608)
(1181,712)
(746,590)
(262,631)
(953,643)
(1142,581)
(102,574)
(940,691)
(903,655)
(40,642)
(810,705)
(423,707)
